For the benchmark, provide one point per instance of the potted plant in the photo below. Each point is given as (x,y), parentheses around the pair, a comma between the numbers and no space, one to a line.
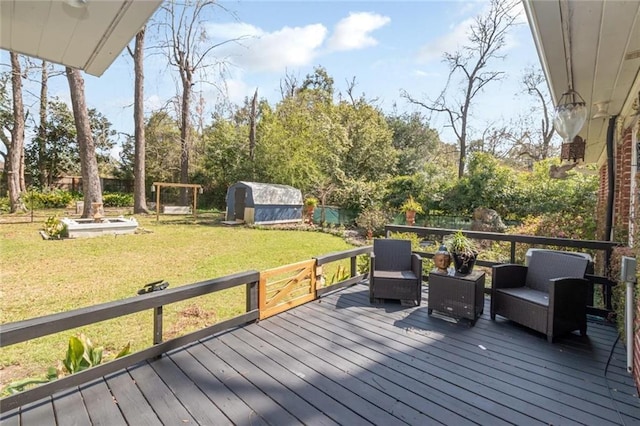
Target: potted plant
(310,204)
(410,208)
(464,252)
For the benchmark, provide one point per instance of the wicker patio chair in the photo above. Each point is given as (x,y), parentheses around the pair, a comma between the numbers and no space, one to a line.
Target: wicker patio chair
(396,273)
(548,296)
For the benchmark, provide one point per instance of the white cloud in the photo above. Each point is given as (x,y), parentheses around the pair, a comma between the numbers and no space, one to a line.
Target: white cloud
(153,103)
(237,90)
(449,42)
(424,74)
(459,34)
(353,32)
(258,50)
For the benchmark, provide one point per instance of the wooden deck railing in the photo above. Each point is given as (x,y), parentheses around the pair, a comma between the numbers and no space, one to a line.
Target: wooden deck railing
(22,331)
(606,247)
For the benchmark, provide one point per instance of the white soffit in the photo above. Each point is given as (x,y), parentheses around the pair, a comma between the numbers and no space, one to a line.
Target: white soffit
(604,36)
(89,37)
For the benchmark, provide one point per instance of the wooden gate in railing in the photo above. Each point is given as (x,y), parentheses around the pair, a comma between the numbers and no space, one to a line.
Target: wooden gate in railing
(286,287)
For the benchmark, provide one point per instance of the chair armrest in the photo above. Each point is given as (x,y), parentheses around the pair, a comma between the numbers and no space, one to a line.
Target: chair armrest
(508,276)
(568,290)
(372,263)
(416,265)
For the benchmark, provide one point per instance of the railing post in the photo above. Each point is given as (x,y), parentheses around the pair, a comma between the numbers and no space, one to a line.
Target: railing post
(513,252)
(252,296)
(157,325)
(354,266)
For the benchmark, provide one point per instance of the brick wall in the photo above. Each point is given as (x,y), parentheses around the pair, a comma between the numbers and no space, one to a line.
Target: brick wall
(636,349)
(623,180)
(622,188)
(622,203)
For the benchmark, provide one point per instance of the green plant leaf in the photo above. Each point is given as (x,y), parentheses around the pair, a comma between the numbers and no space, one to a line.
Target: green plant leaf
(95,356)
(124,351)
(75,355)
(52,373)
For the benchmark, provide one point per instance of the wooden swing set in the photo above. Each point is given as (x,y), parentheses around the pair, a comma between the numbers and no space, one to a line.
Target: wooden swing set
(157,187)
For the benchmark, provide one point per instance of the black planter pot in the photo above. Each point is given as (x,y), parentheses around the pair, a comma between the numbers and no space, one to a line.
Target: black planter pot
(463,262)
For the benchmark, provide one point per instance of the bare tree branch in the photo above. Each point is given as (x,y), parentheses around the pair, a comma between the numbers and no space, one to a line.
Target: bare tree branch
(487,38)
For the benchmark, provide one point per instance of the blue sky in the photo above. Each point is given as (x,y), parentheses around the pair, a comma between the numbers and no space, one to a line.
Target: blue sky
(386,45)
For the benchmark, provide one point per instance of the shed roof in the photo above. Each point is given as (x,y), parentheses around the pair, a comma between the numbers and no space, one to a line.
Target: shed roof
(269,193)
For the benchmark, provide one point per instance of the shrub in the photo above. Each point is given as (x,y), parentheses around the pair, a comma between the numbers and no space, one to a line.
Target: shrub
(48,199)
(5,207)
(117,199)
(373,220)
(54,228)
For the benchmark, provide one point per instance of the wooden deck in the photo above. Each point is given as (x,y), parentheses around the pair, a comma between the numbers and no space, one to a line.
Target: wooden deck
(340,360)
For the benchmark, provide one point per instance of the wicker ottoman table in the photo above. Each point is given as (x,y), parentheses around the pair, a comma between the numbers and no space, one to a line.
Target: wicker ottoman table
(459,296)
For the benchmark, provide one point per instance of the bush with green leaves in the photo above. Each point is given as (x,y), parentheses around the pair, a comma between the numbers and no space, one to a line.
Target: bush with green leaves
(48,198)
(117,199)
(373,220)
(5,206)
(54,228)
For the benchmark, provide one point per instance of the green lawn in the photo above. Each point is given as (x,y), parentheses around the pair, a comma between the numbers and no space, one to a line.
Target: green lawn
(40,277)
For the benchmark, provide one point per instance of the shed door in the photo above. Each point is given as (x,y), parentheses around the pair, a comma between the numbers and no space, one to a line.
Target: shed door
(238,208)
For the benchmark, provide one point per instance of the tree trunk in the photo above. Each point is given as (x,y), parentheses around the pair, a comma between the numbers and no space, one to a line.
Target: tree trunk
(184,134)
(42,130)
(16,152)
(252,123)
(91,187)
(139,177)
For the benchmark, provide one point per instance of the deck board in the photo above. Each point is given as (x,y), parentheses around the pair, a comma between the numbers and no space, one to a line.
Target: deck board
(234,409)
(341,360)
(254,397)
(70,409)
(100,404)
(282,395)
(131,401)
(197,403)
(39,413)
(159,396)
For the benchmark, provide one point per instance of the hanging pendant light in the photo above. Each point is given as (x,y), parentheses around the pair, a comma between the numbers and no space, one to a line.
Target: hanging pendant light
(570,115)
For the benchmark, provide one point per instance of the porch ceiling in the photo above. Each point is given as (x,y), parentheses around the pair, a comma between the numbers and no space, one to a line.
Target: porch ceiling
(89,37)
(597,44)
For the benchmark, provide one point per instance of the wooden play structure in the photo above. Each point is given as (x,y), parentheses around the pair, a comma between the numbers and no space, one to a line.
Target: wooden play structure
(157,188)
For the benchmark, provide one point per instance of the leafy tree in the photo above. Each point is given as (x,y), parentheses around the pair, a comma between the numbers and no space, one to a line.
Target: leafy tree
(320,83)
(469,67)
(370,155)
(488,184)
(55,151)
(300,143)
(227,158)
(413,139)
(162,136)
(400,188)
